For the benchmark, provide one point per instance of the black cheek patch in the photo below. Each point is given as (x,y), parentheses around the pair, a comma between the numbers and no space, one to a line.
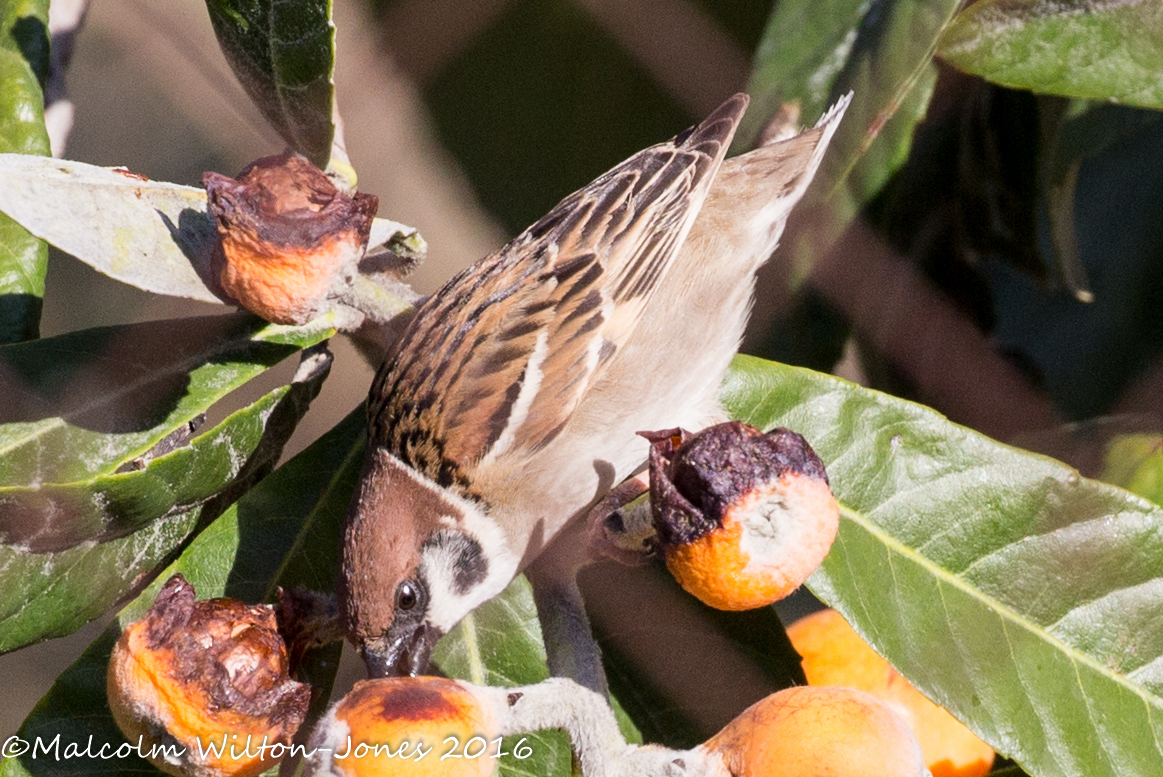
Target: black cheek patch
(471,564)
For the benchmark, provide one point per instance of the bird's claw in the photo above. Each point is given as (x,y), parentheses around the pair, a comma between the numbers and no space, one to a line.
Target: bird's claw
(620,526)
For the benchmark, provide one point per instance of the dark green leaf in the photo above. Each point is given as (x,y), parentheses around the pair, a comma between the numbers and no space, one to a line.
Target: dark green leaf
(292,524)
(813,53)
(1020,596)
(290,530)
(55,517)
(85,403)
(23,70)
(283,54)
(76,708)
(500,643)
(283,532)
(1086,355)
(1077,48)
(47,594)
(799,59)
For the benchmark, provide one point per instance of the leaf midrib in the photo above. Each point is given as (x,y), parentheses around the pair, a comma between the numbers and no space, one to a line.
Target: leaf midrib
(1004,612)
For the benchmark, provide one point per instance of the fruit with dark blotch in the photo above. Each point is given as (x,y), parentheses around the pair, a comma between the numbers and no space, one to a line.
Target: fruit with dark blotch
(289,241)
(812,732)
(834,654)
(191,675)
(743,517)
(403,727)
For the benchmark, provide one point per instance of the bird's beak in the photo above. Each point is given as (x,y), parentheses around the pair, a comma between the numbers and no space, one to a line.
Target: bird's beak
(404,656)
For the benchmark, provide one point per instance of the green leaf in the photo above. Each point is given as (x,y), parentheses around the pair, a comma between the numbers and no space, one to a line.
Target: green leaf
(283,54)
(84,404)
(76,707)
(813,53)
(283,532)
(286,531)
(46,594)
(23,71)
(500,643)
(1075,48)
(799,59)
(54,517)
(1017,594)
(1135,462)
(157,236)
(291,527)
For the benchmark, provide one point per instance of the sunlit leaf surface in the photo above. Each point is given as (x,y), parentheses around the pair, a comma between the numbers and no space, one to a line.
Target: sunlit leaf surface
(23,69)
(156,236)
(1077,48)
(1022,597)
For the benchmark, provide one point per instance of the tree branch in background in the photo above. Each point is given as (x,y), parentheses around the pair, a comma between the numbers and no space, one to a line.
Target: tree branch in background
(680,45)
(952,363)
(425,35)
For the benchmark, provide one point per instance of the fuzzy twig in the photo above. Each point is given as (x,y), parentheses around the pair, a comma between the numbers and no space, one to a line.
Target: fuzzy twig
(65,18)
(601,749)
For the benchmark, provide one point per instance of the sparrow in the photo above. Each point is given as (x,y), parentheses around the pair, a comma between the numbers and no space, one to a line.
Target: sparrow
(510,404)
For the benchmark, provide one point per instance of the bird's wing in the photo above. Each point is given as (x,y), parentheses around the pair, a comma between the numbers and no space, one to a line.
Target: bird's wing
(498,359)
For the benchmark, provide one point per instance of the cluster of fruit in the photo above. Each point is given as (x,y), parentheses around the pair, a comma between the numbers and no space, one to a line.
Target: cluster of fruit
(200,675)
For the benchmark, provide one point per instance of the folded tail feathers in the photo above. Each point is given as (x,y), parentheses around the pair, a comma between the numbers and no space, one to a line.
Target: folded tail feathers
(769,181)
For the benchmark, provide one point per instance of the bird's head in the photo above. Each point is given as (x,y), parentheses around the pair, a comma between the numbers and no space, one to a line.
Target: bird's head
(417,558)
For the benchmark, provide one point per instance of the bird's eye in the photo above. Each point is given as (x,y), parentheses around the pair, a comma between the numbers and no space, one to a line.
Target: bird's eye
(406,596)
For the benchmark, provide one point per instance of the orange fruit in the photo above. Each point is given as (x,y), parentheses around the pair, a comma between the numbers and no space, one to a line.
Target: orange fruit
(834,654)
(818,732)
(770,541)
(209,681)
(289,240)
(408,727)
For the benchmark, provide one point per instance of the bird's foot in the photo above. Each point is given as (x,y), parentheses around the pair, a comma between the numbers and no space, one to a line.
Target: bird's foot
(307,619)
(620,526)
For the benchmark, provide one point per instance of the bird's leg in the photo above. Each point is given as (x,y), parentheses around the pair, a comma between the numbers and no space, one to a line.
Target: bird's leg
(570,648)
